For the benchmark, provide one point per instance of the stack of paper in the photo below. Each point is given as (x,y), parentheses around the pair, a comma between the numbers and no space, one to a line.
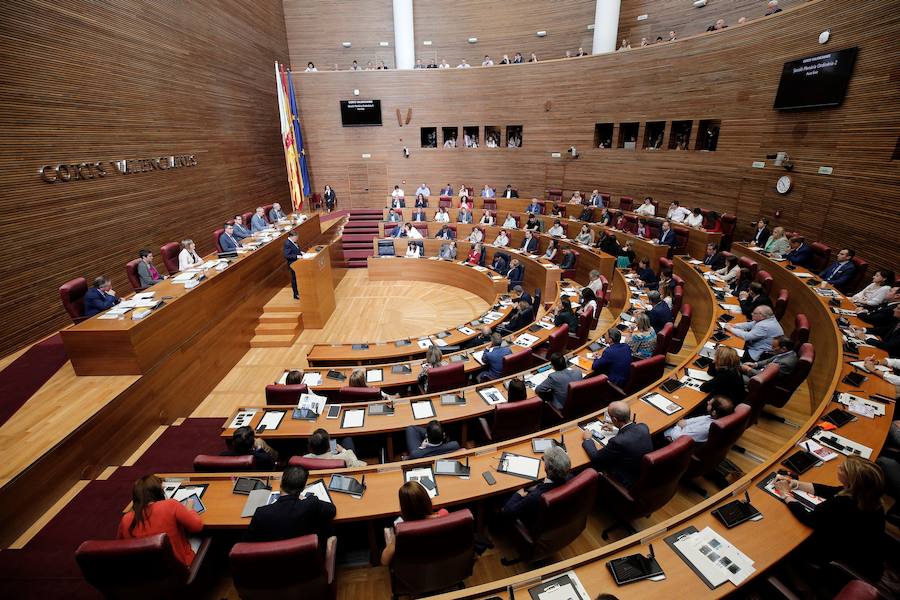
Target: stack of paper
(242,418)
(715,558)
(525,340)
(183,277)
(492,395)
(602,432)
(536,379)
(312,379)
(312,402)
(661,402)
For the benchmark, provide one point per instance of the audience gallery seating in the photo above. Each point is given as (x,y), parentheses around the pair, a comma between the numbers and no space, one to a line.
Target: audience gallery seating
(266,570)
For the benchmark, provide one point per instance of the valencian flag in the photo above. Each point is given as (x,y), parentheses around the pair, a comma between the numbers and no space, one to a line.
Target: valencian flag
(291,157)
(298,137)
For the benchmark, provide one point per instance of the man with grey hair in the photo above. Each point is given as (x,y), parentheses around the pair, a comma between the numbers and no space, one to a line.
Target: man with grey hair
(757,333)
(621,457)
(595,284)
(524,504)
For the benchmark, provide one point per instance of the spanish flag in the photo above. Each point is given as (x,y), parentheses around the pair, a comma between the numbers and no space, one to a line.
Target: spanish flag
(291,157)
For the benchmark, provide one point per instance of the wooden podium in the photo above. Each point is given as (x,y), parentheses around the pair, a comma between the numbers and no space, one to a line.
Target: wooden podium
(316,286)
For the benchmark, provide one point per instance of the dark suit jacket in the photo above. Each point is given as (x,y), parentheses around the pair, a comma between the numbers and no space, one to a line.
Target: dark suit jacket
(289,517)
(727,382)
(748,305)
(228,244)
(622,456)
(510,194)
(668,238)
(648,277)
(569,318)
(493,360)
(521,318)
(291,251)
(716,261)
(525,508)
(96,301)
(434,450)
(516,274)
(879,316)
(761,236)
(532,245)
(890,338)
(445,234)
(801,256)
(838,274)
(659,315)
(615,362)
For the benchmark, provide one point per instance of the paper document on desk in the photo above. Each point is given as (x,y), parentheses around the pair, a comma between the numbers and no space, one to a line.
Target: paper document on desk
(492,395)
(491,316)
(536,379)
(256,499)
(803,275)
(466,330)
(661,402)
(425,477)
(242,418)
(601,431)
(422,409)
(312,402)
(715,557)
(839,443)
(374,376)
(694,261)
(515,464)
(570,291)
(478,356)
(182,277)
(818,450)
(312,379)
(318,490)
(272,419)
(308,255)
(111,315)
(526,340)
(564,587)
(439,342)
(143,296)
(548,325)
(849,400)
(353,418)
(699,375)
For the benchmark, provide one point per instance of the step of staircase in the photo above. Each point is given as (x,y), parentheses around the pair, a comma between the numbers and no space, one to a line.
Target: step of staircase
(292,317)
(357,237)
(276,328)
(350,255)
(357,264)
(279,340)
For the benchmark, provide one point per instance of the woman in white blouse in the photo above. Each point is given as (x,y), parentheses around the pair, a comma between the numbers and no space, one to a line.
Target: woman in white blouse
(586,236)
(412,250)
(874,293)
(411,232)
(486,218)
(502,240)
(188,257)
(647,208)
(476,236)
(695,219)
(442,216)
(576,198)
(730,271)
(510,221)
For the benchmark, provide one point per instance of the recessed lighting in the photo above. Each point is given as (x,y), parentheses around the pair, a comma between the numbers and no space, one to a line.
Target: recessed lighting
(472,40)
(346,44)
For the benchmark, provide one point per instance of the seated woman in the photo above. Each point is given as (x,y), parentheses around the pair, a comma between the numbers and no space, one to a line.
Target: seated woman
(643,230)
(642,340)
(576,198)
(713,223)
(476,236)
(742,283)
(442,216)
(415,505)
(152,514)
(448,251)
(474,257)
(777,244)
(487,218)
(849,525)
(875,293)
(188,256)
(411,232)
(357,379)
(556,211)
(726,376)
(517,390)
(433,358)
(557,230)
(510,222)
(730,271)
(628,252)
(421,201)
(588,303)
(646,274)
(502,240)
(412,250)
(605,217)
(695,219)
(565,314)
(585,236)
(552,249)
(666,286)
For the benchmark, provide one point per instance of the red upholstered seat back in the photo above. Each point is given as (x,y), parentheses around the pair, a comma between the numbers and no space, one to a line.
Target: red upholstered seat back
(584,328)
(626,203)
(515,362)
(681,238)
(169,253)
(133,568)
(131,273)
(514,419)
(677,297)
(433,554)
(563,513)
(747,263)
(644,372)
(266,209)
(781,303)
(446,377)
(681,330)
(290,568)
(663,340)
(357,394)
(216,235)
(278,394)
(665,264)
(800,335)
(209,463)
(660,472)
(316,464)
(723,434)
(587,395)
(786,386)
(765,278)
(247,217)
(859,276)
(760,388)
(729,222)
(821,256)
(71,293)
(858,590)
(556,341)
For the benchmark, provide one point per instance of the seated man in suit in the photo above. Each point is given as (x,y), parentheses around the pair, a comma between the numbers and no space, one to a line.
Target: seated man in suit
(801,254)
(493,358)
(615,362)
(534,207)
(510,192)
(445,233)
(523,316)
(464,215)
(394,216)
(499,263)
(275,213)
(422,442)
(516,273)
(884,312)
(697,428)
(228,241)
(621,457)
(753,297)
(447,191)
(146,272)
(889,333)
(419,215)
(519,293)
(291,516)
(320,447)
(568,259)
(667,236)
(840,272)
(555,389)
(783,355)
(713,259)
(258,221)
(758,333)
(240,229)
(529,243)
(244,442)
(524,504)
(100,297)
(448,251)
(661,313)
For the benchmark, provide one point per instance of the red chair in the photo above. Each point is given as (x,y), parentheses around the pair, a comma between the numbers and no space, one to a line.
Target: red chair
(169,253)
(490,204)
(422,227)
(681,330)
(317,464)
(554,195)
(210,463)
(137,569)
(316,201)
(570,272)
(631,223)
(644,372)
(585,396)
(131,272)
(800,335)
(681,239)
(516,362)
(247,217)
(604,284)
(556,342)
(579,338)
(445,202)
(821,256)
(781,303)
(357,394)
(858,589)
(562,516)
(661,470)
(760,388)
(446,377)
(664,340)
(764,278)
(786,385)
(512,419)
(626,203)
(72,295)
(677,297)
(266,209)
(665,264)
(859,276)
(432,555)
(216,235)
(729,222)
(278,394)
(749,264)
(266,570)
(723,434)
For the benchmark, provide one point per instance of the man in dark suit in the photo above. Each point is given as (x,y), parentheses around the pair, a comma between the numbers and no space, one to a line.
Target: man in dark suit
(524,504)
(884,312)
(244,442)
(753,297)
(621,457)
(762,233)
(100,297)
(521,294)
(292,253)
(445,233)
(493,358)
(427,441)
(516,273)
(510,193)
(800,255)
(534,207)
(667,236)
(523,316)
(840,272)
(615,362)
(275,213)
(783,355)
(889,334)
(227,240)
(529,243)
(291,516)
(714,259)
(661,313)
(240,230)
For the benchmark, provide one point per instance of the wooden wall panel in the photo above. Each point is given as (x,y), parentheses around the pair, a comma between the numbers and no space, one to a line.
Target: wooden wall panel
(90,81)
(730,75)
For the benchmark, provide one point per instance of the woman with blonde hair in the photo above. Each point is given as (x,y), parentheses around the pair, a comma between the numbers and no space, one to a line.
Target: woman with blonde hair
(726,376)
(188,256)
(642,341)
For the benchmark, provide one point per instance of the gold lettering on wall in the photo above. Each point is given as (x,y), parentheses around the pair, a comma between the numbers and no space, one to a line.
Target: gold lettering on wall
(86,171)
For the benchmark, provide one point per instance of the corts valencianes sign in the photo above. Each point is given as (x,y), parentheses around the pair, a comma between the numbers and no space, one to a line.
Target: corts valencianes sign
(64,172)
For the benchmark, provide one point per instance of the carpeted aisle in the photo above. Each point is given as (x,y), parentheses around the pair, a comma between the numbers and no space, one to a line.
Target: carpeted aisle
(25,375)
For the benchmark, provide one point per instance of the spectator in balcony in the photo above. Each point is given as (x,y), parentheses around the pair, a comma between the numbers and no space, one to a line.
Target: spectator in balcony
(517,59)
(310,68)
(444,64)
(381,66)
(672,36)
(370,66)
(625,45)
(581,52)
(533,58)
(419,64)
(720,25)
(463,65)
(772,8)
(487,62)
(432,64)
(354,66)
(644,42)
(505,59)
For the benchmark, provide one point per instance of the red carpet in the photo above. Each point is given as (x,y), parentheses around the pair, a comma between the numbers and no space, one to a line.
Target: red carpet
(25,375)
(324,218)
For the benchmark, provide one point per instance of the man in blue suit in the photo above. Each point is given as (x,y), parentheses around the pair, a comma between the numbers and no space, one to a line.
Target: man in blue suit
(292,253)
(615,362)
(493,358)
(276,214)
(516,273)
(240,230)
(258,221)
(840,273)
(227,241)
(758,333)
(529,244)
(622,455)
(464,216)
(661,313)
(534,207)
(100,297)
(800,254)
(667,236)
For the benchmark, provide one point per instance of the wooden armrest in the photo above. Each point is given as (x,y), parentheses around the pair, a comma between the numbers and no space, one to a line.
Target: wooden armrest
(485,429)
(330,558)
(202,551)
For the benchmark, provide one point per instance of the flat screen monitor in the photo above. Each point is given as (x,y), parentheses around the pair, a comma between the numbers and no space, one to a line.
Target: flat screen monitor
(815,81)
(361,113)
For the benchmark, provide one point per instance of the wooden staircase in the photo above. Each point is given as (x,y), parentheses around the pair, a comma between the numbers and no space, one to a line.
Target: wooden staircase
(280,323)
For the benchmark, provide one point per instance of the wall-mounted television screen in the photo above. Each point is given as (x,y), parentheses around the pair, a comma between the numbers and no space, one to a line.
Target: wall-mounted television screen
(360,113)
(815,81)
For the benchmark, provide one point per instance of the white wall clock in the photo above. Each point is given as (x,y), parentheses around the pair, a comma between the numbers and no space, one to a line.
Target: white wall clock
(784,184)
